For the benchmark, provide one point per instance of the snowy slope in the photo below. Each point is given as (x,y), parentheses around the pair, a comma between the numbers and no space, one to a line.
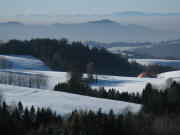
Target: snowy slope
(62,102)
(66,102)
(128,84)
(21,64)
(25,62)
(172,74)
(120,83)
(58,101)
(172,63)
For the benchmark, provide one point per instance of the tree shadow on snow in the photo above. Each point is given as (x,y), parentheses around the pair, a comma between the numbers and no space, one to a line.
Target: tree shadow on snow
(113,82)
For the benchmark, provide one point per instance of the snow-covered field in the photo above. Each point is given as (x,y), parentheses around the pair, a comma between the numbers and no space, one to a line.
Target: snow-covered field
(59,101)
(62,102)
(128,84)
(120,83)
(116,50)
(172,74)
(172,63)
(25,62)
(66,102)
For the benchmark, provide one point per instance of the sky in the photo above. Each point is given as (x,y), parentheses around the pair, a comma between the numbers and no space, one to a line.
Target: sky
(90,7)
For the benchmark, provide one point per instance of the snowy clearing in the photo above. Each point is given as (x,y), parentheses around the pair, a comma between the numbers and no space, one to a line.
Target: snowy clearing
(61,102)
(172,74)
(116,50)
(21,64)
(172,63)
(25,62)
(65,102)
(120,83)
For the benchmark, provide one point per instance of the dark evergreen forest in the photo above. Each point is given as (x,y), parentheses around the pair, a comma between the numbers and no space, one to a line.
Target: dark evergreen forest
(60,54)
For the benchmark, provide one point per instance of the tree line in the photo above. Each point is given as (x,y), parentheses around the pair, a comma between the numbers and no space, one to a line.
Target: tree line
(98,92)
(161,101)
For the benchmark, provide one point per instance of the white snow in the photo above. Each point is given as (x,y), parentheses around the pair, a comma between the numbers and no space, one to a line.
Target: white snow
(59,101)
(66,102)
(120,83)
(172,74)
(162,62)
(25,62)
(127,84)
(62,102)
(124,48)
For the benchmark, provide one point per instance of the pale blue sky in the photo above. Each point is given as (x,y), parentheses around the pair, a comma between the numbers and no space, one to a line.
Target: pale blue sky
(53,7)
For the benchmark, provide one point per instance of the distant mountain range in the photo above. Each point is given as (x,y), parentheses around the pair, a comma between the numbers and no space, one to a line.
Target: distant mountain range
(136,13)
(102,31)
(125,13)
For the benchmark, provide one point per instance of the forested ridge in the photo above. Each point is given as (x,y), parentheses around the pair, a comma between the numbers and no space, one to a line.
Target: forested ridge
(60,54)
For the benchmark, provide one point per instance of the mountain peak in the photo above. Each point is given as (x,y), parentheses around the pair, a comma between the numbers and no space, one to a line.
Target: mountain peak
(131,13)
(13,23)
(104,21)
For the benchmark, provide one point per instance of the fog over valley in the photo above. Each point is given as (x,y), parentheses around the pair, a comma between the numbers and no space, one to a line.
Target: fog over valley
(80,28)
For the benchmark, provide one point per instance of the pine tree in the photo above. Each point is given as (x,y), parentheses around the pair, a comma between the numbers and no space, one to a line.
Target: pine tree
(75,125)
(20,109)
(26,117)
(32,115)
(111,123)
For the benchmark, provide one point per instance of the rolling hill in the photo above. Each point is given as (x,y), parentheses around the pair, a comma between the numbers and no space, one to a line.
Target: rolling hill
(60,102)
(65,102)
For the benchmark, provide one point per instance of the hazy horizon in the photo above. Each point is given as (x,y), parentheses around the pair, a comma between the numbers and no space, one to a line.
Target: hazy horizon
(80,11)
(154,15)
(53,7)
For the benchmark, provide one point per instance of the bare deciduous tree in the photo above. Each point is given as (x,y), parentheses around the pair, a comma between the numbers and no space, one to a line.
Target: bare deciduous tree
(91,71)
(1,96)
(4,63)
(25,80)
